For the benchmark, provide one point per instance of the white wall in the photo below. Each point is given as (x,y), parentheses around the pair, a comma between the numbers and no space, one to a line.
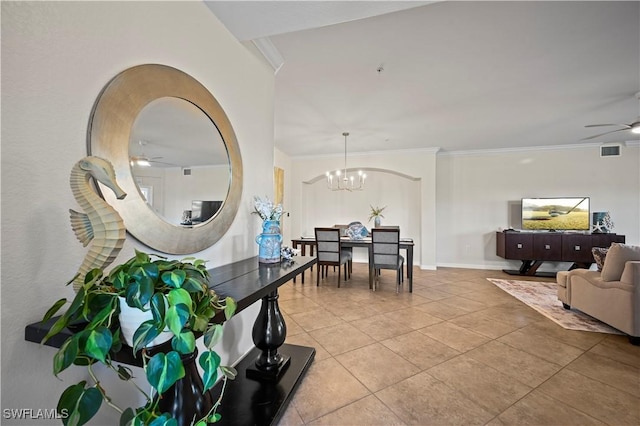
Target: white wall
(56,57)
(410,199)
(205,183)
(478,193)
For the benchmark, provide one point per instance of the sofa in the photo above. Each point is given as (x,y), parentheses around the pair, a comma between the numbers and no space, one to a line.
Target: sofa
(610,294)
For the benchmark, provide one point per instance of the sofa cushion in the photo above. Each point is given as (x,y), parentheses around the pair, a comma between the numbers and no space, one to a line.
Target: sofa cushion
(599,255)
(617,256)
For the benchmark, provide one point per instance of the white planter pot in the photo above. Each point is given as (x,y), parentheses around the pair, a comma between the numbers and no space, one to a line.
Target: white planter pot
(130,320)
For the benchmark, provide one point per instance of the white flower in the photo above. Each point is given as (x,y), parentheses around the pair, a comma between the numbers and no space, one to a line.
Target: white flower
(266,209)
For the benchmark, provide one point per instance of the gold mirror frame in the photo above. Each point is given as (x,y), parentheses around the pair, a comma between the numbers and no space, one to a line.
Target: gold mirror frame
(110,125)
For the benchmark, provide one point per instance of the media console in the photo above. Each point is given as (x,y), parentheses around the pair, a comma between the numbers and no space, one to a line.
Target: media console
(534,248)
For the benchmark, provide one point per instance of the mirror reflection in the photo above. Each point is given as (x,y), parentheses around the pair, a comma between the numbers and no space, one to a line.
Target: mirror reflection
(179,162)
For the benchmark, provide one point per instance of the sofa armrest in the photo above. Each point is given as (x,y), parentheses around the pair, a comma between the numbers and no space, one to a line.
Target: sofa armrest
(631,273)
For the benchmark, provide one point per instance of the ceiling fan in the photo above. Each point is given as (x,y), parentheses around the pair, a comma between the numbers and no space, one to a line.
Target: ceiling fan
(634,126)
(144,160)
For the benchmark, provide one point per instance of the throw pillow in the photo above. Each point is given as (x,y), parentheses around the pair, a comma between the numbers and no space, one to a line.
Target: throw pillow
(599,254)
(617,256)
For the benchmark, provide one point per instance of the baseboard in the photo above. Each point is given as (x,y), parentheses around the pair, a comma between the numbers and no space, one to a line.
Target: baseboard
(472,266)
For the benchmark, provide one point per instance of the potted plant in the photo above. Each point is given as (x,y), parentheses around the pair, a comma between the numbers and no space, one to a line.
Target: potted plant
(176,295)
(376,214)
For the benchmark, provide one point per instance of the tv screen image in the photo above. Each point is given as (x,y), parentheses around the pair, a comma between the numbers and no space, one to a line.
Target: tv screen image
(556,214)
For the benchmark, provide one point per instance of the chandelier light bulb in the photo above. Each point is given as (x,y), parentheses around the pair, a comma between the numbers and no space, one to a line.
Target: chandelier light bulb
(344,181)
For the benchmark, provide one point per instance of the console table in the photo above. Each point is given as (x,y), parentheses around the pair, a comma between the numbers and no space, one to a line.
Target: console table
(534,248)
(258,395)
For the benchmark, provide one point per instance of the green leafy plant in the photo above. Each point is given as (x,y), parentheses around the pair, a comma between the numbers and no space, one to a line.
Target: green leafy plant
(376,212)
(177,294)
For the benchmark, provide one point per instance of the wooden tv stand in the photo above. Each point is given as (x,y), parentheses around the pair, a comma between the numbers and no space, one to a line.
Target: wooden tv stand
(534,248)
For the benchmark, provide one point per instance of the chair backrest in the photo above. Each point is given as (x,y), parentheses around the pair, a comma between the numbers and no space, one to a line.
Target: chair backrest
(385,245)
(328,244)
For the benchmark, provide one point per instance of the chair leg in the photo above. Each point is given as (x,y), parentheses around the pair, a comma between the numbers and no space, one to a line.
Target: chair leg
(338,276)
(318,268)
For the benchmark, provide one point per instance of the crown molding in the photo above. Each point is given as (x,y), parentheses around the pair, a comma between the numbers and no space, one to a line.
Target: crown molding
(369,153)
(532,148)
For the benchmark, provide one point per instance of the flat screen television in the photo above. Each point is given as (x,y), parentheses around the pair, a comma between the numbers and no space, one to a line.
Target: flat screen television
(556,214)
(202,211)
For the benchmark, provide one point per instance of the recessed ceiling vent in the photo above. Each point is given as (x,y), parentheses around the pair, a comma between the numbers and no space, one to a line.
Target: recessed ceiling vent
(610,150)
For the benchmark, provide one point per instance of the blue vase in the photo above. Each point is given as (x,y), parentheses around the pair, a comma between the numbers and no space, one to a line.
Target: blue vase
(270,242)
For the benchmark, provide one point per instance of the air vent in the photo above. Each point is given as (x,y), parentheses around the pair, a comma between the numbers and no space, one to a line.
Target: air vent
(186,172)
(610,151)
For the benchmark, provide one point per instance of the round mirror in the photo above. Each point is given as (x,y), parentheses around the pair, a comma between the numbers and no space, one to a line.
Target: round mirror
(179,162)
(187,196)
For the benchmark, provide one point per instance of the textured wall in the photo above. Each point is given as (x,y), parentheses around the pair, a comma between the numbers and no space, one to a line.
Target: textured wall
(56,57)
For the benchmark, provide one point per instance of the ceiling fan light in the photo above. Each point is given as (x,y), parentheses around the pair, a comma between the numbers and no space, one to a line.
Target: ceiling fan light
(140,161)
(635,129)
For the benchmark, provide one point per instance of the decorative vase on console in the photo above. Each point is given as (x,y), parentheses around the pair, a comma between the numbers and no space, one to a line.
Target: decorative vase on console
(270,240)
(376,214)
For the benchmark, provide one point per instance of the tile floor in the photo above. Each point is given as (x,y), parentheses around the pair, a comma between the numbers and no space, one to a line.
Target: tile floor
(457,350)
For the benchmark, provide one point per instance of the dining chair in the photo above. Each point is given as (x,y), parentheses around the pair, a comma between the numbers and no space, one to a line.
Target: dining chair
(343,233)
(386,253)
(329,253)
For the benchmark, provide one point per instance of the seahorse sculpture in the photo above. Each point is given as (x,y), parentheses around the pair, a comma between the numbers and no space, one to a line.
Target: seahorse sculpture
(100,222)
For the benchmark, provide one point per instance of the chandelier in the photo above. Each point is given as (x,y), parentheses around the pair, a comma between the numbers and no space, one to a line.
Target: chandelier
(340,180)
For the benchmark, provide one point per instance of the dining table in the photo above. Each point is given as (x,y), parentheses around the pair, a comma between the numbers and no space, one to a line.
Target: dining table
(365,242)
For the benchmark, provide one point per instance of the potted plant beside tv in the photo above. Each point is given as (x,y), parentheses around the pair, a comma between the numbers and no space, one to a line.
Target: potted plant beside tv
(176,296)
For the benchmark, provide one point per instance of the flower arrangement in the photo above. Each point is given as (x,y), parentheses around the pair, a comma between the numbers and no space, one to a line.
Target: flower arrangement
(287,253)
(376,212)
(266,209)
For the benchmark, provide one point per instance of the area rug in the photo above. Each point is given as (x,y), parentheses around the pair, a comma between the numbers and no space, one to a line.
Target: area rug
(543,297)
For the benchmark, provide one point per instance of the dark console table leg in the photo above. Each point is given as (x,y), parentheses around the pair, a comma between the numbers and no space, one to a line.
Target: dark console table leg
(530,268)
(269,333)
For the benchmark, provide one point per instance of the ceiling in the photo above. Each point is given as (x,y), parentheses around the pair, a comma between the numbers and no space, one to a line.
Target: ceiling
(451,75)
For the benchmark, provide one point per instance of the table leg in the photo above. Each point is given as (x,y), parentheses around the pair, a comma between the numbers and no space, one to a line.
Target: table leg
(295,246)
(410,268)
(371,270)
(269,333)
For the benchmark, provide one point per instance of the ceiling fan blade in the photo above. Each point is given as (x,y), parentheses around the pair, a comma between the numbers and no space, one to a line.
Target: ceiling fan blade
(599,125)
(602,134)
(162,162)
